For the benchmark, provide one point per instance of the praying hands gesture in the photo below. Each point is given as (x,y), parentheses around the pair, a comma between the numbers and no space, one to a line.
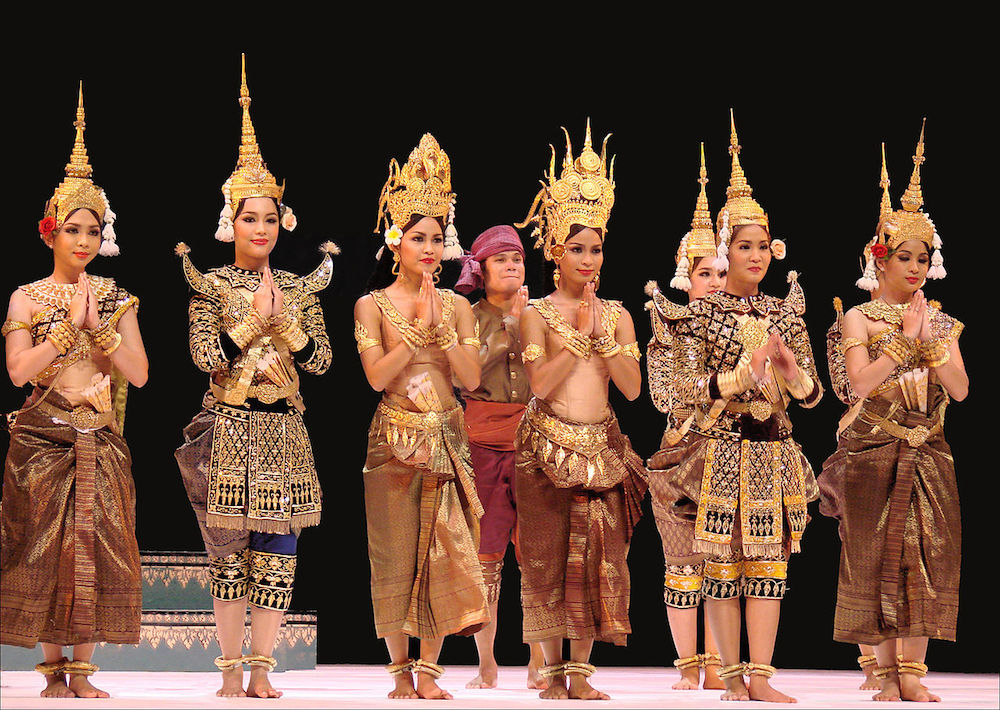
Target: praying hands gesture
(268,300)
(429,306)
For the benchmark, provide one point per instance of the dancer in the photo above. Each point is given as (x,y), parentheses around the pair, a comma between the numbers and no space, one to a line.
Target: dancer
(420,497)
(69,574)
(739,356)
(697,275)
(492,412)
(246,461)
(579,484)
(899,572)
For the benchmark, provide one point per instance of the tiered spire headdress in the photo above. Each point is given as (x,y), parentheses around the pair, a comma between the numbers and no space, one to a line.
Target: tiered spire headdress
(583,194)
(740,208)
(421,187)
(251,177)
(700,240)
(896,227)
(78,191)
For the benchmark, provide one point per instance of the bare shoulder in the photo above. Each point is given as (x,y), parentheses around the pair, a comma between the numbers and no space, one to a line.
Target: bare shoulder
(20,306)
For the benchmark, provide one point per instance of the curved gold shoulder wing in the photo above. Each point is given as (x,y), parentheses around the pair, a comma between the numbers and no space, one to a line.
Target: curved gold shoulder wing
(320,277)
(669,310)
(796,298)
(196,279)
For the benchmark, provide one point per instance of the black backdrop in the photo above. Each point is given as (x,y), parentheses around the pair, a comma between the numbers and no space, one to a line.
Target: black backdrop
(163,131)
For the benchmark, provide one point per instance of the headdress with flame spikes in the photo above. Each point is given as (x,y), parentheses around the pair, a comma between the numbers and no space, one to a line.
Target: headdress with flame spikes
(583,195)
(251,177)
(78,191)
(421,187)
(896,227)
(740,208)
(869,276)
(701,240)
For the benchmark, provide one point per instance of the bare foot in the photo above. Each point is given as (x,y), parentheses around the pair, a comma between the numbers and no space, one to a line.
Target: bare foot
(55,687)
(580,689)
(760,689)
(871,682)
(404,689)
(260,686)
(689,679)
(889,689)
(81,687)
(712,680)
(428,689)
(536,681)
(736,689)
(556,690)
(232,684)
(910,688)
(487,677)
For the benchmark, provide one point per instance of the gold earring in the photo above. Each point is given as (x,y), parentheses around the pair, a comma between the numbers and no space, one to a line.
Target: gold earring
(395,264)
(437,273)
(555,277)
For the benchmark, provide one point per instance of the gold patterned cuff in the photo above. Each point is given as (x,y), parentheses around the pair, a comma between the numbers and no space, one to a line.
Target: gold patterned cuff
(63,335)
(445,337)
(901,349)
(736,381)
(291,332)
(365,341)
(632,350)
(272,577)
(246,330)
(801,386)
(935,353)
(532,352)
(9,326)
(605,346)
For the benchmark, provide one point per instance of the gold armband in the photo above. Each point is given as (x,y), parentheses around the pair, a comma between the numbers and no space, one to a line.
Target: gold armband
(246,330)
(445,337)
(735,381)
(63,335)
(632,350)
(901,349)
(801,386)
(365,342)
(605,346)
(532,352)
(474,342)
(9,326)
(848,343)
(935,353)
(289,330)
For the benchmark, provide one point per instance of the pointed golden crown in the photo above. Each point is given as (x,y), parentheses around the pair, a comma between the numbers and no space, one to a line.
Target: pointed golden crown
(422,186)
(251,177)
(885,206)
(583,194)
(910,222)
(740,205)
(701,240)
(77,189)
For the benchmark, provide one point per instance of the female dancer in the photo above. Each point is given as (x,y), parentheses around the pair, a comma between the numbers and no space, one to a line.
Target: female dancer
(899,572)
(696,274)
(492,413)
(739,355)
(70,567)
(579,484)
(420,498)
(246,460)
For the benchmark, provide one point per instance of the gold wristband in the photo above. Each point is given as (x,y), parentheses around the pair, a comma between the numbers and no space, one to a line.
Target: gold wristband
(735,381)
(632,350)
(291,332)
(935,353)
(901,348)
(63,335)
(246,330)
(116,341)
(801,386)
(445,337)
(605,346)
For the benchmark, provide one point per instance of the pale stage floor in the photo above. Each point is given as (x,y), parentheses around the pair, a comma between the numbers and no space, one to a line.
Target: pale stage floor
(349,686)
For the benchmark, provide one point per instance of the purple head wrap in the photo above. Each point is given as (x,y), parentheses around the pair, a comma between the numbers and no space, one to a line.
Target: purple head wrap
(493,241)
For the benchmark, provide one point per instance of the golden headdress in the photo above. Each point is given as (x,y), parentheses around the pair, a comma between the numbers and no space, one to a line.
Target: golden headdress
(740,208)
(78,191)
(583,195)
(701,240)
(421,187)
(896,227)
(251,178)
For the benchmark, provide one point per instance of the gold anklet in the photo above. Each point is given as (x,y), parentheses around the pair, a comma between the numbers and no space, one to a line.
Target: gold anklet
(882,672)
(432,669)
(400,668)
(80,668)
(710,659)
(227,664)
(579,668)
(866,661)
(54,668)
(553,670)
(759,669)
(727,672)
(689,662)
(913,667)
(260,661)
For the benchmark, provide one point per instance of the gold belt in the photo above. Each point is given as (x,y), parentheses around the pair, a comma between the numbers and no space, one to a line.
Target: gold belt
(758,409)
(267,393)
(914,436)
(415,420)
(81,418)
(587,439)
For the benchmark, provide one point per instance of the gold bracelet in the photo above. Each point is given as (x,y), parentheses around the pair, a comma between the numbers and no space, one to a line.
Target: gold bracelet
(445,337)
(291,332)
(114,345)
(632,350)
(935,353)
(249,328)
(801,386)
(63,335)
(605,346)
(901,348)
(735,381)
